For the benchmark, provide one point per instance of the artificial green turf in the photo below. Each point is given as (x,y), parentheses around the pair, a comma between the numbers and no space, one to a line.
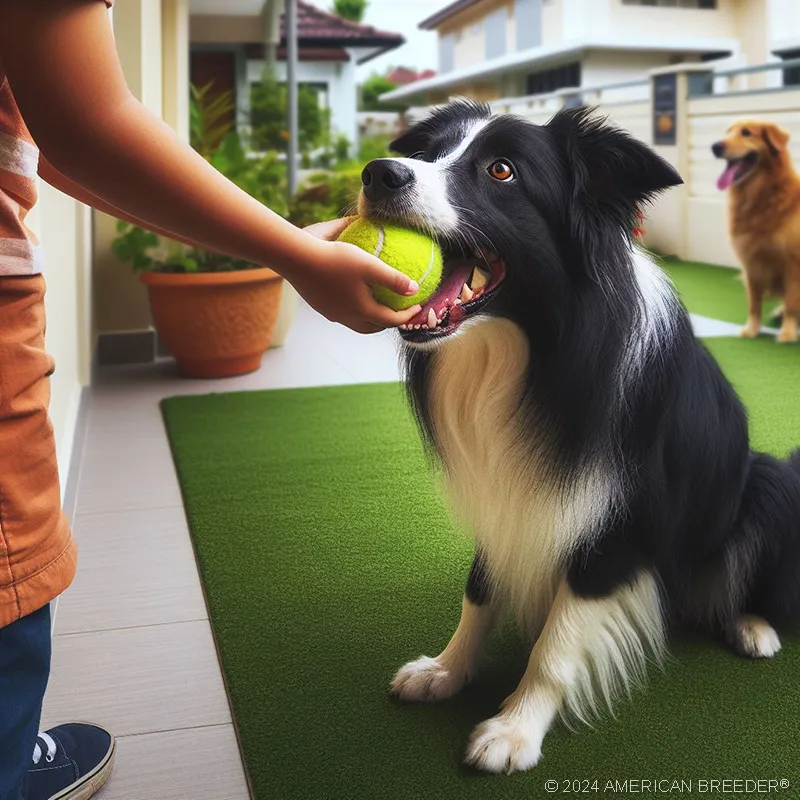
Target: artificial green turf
(329,560)
(711,291)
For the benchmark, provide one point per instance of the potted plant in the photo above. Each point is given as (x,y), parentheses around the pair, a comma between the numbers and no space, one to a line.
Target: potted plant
(216,315)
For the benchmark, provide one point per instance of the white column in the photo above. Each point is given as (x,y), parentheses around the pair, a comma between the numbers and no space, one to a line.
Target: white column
(346,109)
(175,77)
(120,301)
(292,93)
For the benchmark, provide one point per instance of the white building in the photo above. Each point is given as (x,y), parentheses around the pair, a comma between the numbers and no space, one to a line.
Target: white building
(490,49)
(231,47)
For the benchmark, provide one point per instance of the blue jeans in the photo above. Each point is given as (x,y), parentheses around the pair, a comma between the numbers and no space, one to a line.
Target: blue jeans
(25,648)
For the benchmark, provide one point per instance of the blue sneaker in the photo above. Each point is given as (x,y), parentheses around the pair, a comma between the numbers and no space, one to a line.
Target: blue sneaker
(70,762)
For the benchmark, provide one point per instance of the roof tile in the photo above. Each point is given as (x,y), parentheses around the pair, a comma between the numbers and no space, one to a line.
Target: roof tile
(315,24)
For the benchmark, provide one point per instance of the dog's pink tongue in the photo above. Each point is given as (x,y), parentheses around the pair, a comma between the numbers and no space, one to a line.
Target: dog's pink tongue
(445,294)
(726,179)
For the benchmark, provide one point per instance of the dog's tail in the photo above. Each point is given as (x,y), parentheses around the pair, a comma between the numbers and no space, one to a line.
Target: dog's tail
(768,530)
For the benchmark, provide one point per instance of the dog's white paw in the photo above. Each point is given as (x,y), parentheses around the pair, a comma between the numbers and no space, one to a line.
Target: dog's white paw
(427,680)
(754,637)
(503,744)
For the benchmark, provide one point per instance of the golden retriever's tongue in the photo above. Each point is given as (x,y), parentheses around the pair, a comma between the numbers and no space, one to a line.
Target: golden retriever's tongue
(727,178)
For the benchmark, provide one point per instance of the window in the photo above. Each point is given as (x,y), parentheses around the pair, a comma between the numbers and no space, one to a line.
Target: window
(494,29)
(716,55)
(705,4)
(791,76)
(447,52)
(552,79)
(528,15)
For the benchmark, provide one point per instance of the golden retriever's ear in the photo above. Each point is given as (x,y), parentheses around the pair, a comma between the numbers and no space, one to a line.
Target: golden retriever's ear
(776,138)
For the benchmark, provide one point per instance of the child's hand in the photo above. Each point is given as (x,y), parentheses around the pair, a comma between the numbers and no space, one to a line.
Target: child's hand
(338,283)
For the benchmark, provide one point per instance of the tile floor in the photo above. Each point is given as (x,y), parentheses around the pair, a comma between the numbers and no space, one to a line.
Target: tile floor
(133,647)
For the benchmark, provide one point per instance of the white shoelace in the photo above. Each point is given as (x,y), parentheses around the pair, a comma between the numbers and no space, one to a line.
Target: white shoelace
(51,748)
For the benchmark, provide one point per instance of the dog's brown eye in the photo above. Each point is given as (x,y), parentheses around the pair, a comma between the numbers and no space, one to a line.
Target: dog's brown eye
(746,132)
(501,171)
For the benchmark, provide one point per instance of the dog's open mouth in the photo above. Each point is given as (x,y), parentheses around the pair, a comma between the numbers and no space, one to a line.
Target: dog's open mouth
(736,170)
(467,285)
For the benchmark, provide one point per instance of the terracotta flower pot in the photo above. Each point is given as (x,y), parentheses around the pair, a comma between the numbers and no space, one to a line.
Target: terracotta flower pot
(215,324)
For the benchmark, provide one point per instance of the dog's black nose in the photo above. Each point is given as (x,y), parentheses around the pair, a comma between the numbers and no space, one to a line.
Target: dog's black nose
(385,176)
(718,149)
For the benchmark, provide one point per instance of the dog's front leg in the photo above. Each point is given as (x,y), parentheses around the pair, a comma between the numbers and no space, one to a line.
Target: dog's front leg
(586,642)
(430,679)
(791,309)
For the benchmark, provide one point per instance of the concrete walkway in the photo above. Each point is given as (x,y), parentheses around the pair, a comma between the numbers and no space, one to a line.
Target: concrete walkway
(705,327)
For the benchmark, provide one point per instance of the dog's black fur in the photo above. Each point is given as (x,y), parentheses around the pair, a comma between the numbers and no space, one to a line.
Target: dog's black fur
(696,496)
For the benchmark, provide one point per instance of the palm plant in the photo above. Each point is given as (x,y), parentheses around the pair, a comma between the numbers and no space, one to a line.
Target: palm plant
(210,118)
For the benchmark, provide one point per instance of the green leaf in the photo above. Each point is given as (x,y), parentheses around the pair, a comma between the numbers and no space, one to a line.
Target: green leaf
(211,117)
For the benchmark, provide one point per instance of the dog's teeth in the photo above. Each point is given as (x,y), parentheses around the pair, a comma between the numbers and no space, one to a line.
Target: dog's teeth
(457,301)
(466,294)
(479,279)
(431,318)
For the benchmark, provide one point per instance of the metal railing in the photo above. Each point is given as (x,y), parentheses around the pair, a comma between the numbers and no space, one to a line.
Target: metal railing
(734,81)
(572,95)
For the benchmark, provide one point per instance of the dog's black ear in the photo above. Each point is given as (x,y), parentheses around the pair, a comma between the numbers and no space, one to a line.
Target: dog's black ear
(414,140)
(615,170)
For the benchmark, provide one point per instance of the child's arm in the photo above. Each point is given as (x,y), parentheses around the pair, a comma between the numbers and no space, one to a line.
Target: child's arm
(326,231)
(51,175)
(61,62)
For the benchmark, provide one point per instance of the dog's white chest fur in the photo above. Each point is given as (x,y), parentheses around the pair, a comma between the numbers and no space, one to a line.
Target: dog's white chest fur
(499,482)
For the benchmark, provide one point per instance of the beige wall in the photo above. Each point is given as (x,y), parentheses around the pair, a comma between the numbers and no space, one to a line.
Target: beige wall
(175,65)
(62,225)
(225,29)
(552,22)
(752,29)
(610,66)
(470,45)
(673,23)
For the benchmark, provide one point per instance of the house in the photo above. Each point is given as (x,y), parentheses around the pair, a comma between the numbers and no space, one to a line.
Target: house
(490,49)
(232,49)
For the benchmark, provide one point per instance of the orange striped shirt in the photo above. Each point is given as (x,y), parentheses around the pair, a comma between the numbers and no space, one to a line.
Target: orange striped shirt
(20,253)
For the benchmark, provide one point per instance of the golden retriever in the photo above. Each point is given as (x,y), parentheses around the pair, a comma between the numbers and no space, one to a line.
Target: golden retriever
(764,215)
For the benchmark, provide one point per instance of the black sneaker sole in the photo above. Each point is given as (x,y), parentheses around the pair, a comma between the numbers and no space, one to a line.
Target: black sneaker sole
(88,785)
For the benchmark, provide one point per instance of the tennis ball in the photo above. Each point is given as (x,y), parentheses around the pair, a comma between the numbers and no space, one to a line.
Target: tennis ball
(413,253)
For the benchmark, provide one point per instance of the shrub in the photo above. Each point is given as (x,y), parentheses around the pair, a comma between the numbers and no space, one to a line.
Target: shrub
(268,116)
(326,195)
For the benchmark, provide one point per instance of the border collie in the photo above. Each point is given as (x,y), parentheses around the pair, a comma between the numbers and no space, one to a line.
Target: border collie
(588,440)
